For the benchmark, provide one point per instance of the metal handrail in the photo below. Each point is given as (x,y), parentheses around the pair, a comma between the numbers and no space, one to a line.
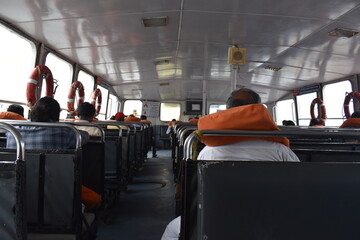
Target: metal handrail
(182,134)
(20,149)
(315,133)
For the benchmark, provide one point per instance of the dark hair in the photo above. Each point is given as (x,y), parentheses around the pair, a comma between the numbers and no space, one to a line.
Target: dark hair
(355,114)
(46,109)
(314,121)
(289,123)
(143,117)
(243,96)
(16,109)
(86,110)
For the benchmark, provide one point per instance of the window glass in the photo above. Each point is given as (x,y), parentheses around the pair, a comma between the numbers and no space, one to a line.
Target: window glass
(133,107)
(216,108)
(113,105)
(334,95)
(104,96)
(303,106)
(88,82)
(17,61)
(285,111)
(62,73)
(169,111)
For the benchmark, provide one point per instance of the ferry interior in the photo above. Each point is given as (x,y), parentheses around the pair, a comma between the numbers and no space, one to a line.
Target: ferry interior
(179,60)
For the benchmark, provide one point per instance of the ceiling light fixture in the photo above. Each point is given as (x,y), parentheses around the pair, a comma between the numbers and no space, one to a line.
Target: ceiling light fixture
(162,62)
(273,68)
(342,32)
(155,21)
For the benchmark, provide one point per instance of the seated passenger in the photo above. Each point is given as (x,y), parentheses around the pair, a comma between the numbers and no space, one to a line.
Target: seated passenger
(314,122)
(244,106)
(288,123)
(352,122)
(171,125)
(86,113)
(119,116)
(47,109)
(14,112)
(144,119)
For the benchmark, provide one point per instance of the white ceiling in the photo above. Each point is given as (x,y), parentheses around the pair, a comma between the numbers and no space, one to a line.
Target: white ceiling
(107,37)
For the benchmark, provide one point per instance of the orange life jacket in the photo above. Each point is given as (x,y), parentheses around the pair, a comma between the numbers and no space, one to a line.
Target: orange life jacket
(11,115)
(132,119)
(254,117)
(351,122)
(145,121)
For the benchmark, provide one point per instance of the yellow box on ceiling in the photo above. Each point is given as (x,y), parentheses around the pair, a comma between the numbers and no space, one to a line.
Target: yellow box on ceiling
(236,55)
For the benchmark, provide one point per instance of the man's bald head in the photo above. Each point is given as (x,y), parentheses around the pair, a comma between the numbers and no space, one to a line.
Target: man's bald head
(243,96)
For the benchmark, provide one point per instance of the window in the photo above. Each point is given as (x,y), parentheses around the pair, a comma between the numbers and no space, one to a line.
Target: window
(88,82)
(62,73)
(216,108)
(285,111)
(334,95)
(113,105)
(132,107)
(169,111)
(104,96)
(17,60)
(303,106)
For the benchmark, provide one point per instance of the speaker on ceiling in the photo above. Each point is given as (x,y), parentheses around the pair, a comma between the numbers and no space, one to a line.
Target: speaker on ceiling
(236,55)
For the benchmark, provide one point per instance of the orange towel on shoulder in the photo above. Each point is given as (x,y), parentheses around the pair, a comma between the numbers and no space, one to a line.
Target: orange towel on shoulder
(132,119)
(351,123)
(11,115)
(253,117)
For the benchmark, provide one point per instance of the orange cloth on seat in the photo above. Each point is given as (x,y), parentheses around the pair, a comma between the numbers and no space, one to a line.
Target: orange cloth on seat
(89,198)
(132,119)
(254,117)
(11,115)
(145,121)
(351,122)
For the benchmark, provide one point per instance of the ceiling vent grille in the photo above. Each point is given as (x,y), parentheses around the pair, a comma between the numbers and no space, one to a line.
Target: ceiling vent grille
(155,21)
(273,68)
(162,62)
(342,32)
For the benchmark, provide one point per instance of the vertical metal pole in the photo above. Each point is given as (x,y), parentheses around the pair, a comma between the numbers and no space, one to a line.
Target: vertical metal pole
(204,98)
(235,71)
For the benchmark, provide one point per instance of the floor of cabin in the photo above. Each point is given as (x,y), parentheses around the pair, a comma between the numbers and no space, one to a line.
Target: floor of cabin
(147,206)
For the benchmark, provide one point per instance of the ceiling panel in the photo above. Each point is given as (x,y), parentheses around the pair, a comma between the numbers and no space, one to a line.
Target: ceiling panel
(243,29)
(320,61)
(324,9)
(30,10)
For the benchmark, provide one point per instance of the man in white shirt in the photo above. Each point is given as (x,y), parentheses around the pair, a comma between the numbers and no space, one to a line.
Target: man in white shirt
(243,150)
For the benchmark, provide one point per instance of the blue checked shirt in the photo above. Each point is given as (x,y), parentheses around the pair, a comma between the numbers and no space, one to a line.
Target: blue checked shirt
(45,138)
